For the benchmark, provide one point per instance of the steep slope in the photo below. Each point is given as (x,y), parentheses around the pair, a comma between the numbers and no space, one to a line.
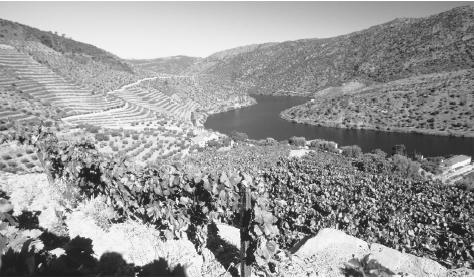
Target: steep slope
(15,31)
(169,65)
(382,53)
(91,67)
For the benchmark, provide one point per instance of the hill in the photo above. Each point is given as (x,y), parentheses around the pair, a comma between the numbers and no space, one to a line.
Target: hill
(169,65)
(15,31)
(438,103)
(398,49)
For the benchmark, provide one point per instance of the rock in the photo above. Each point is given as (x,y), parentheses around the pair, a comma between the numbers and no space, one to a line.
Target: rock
(330,249)
(399,262)
(5,206)
(332,240)
(460,272)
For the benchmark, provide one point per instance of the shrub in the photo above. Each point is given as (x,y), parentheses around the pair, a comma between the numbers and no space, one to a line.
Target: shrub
(91,128)
(297,141)
(405,166)
(239,136)
(324,145)
(6,157)
(48,124)
(102,137)
(399,149)
(373,163)
(351,151)
(213,143)
(379,152)
(135,136)
(12,164)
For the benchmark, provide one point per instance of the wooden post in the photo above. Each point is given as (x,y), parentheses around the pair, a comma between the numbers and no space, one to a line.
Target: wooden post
(245,211)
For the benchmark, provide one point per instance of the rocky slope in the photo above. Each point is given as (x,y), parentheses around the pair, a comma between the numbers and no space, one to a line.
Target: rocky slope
(398,49)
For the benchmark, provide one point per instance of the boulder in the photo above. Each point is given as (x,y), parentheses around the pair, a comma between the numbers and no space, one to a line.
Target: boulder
(399,262)
(335,242)
(330,249)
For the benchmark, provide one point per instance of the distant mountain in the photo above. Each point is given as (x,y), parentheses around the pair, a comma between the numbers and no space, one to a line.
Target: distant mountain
(398,49)
(169,65)
(15,31)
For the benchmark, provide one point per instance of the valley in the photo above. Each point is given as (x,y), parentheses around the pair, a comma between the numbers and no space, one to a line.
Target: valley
(171,166)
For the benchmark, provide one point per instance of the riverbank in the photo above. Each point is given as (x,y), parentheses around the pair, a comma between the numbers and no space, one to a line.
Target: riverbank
(286,116)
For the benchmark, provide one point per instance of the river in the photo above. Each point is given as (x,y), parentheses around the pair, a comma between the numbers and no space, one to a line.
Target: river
(262,120)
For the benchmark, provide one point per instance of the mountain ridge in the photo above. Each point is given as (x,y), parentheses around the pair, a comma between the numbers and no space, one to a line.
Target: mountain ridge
(384,52)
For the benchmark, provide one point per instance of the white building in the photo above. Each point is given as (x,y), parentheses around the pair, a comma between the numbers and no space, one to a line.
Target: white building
(455,162)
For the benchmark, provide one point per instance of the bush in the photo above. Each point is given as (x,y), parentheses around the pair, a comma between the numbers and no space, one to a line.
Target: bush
(90,128)
(399,149)
(379,152)
(297,141)
(239,136)
(351,151)
(6,157)
(324,145)
(431,164)
(466,183)
(135,136)
(102,137)
(372,163)
(405,166)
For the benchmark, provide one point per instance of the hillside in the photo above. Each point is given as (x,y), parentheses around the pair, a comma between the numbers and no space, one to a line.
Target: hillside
(169,65)
(398,49)
(439,103)
(15,31)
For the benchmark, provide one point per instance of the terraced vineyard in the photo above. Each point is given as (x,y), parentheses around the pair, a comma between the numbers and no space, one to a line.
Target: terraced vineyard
(210,94)
(156,101)
(42,83)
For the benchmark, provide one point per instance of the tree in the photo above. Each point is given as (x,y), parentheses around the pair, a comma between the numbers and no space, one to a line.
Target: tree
(351,151)
(405,166)
(239,136)
(297,141)
(399,149)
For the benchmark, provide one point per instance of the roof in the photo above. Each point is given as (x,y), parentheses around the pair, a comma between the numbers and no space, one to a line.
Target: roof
(456,159)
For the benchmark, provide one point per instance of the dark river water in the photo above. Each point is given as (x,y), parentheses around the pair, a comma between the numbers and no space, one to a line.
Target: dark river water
(262,120)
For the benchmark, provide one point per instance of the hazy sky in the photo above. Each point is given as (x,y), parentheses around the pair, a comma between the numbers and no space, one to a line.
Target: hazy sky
(158,29)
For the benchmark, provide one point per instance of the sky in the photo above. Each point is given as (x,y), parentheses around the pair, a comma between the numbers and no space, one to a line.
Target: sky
(145,30)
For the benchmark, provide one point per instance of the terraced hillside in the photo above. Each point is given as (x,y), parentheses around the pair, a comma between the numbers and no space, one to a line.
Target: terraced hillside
(41,83)
(398,49)
(440,103)
(13,31)
(209,93)
(156,101)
